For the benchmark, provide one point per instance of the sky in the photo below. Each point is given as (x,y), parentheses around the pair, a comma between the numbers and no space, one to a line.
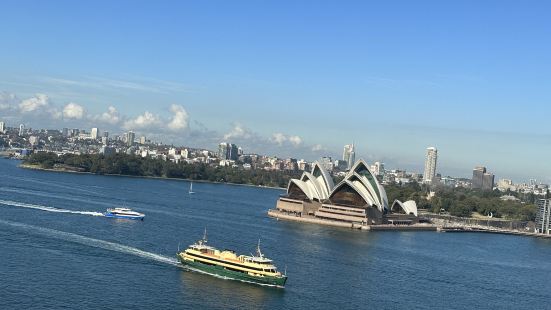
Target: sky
(293,78)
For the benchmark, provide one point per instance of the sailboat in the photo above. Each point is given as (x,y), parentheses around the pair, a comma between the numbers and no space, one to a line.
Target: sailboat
(191,188)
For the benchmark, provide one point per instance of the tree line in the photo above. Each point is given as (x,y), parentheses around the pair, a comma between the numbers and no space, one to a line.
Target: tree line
(131,165)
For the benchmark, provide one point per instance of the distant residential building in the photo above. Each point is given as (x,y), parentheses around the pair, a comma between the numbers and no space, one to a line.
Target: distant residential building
(488,181)
(94,133)
(430,165)
(107,150)
(326,163)
(341,165)
(223,151)
(349,155)
(2,127)
(379,169)
(234,152)
(105,134)
(33,140)
(543,216)
(228,151)
(142,140)
(482,179)
(65,132)
(104,140)
(184,153)
(505,185)
(21,129)
(478,177)
(303,165)
(130,137)
(447,181)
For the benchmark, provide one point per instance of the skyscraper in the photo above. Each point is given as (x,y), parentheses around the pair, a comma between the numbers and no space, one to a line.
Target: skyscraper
(488,181)
(2,127)
(348,155)
(430,165)
(543,216)
(21,129)
(223,150)
(130,137)
(94,133)
(482,179)
(478,177)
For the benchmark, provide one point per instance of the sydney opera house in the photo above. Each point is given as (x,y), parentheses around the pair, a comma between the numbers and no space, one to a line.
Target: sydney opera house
(359,199)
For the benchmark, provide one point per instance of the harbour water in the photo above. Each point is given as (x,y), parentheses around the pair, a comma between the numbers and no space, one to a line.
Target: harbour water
(58,251)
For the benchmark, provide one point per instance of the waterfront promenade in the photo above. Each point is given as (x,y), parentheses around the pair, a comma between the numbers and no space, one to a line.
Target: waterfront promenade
(439,226)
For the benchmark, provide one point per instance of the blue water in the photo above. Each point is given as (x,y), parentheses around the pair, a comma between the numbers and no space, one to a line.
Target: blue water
(57,251)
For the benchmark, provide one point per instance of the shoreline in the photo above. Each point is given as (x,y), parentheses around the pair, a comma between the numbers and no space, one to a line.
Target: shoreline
(35,167)
(277,215)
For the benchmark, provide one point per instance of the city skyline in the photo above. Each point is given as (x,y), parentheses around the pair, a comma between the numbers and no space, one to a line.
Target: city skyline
(371,75)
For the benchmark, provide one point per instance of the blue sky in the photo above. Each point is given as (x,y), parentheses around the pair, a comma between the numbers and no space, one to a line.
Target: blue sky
(298,78)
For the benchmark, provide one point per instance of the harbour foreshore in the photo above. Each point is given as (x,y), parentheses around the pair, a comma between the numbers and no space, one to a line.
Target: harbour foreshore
(415,227)
(313,220)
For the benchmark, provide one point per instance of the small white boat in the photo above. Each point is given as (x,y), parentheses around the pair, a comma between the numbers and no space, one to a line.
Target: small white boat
(191,188)
(124,213)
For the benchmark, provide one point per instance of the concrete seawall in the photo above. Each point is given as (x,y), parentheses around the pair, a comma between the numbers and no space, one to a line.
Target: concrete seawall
(313,220)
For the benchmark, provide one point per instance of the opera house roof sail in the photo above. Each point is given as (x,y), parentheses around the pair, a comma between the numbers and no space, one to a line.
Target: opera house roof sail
(359,188)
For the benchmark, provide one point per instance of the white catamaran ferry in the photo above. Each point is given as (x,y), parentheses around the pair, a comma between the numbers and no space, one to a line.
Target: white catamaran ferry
(124,213)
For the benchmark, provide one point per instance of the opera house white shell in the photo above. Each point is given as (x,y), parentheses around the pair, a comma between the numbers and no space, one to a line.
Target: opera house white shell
(359,188)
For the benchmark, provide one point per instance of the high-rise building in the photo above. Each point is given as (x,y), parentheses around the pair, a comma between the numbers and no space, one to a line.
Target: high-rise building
(130,137)
(326,163)
(478,177)
(142,140)
(65,132)
(234,152)
(430,165)
(349,155)
(2,127)
(94,133)
(223,150)
(543,216)
(228,151)
(379,169)
(21,129)
(482,179)
(488,181)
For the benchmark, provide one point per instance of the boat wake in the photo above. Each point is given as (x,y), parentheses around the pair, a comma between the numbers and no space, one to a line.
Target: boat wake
(96,243)
(48,209)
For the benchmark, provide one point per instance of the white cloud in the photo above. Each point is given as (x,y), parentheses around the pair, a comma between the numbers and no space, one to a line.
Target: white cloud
(295,140)
(73,111)
(112,116)
(239,132)
(317,148)
(7,101)
(279,138)
(39,101)
(147,120)
(39,105)
(179,118)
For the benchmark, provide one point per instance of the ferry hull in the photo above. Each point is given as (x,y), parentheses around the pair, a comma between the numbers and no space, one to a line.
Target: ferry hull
(129,217)
(234,275)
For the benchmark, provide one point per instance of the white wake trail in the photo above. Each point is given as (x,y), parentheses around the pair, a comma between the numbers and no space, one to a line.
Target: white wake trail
(96,243)
(48,209)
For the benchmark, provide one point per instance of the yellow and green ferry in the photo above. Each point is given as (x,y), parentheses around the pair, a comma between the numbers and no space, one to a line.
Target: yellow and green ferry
(255,269)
